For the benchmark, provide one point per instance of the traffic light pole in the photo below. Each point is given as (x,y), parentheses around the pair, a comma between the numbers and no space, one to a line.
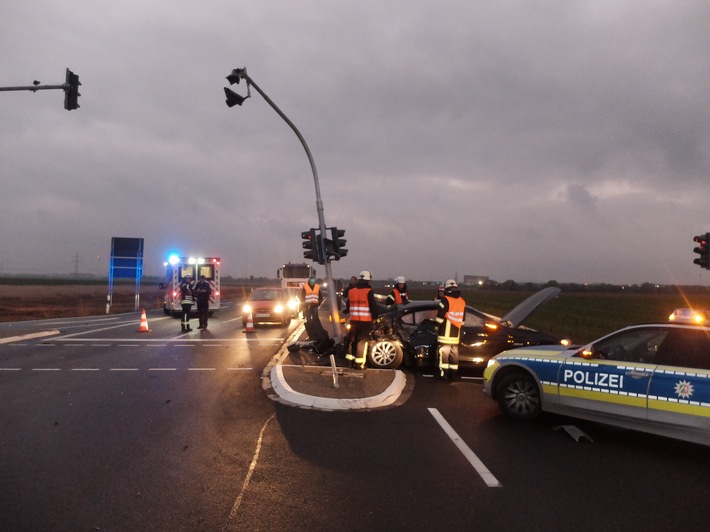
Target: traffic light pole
(334,311)
(70,88)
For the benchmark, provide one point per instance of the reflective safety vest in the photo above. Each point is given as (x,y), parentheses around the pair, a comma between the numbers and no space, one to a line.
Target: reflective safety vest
(186,294)
(312,294)
(359,305)
(451,331)
(397,295)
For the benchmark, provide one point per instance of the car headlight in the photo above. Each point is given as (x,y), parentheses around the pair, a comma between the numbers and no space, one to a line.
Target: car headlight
(293,304)
(279,308)
(246,309)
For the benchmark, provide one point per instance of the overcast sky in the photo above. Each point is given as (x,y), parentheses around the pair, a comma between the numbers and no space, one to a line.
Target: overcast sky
(525,140)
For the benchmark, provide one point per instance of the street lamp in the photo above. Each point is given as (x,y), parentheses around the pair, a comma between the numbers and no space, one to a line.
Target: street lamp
(235,99)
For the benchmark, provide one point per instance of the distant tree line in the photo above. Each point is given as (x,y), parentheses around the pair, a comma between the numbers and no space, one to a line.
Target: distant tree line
(489,285)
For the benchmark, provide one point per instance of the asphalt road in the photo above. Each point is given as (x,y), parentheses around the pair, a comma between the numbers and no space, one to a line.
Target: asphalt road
(106,428)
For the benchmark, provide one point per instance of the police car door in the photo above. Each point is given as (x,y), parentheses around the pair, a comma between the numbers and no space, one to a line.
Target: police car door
(680,387)
(612,377)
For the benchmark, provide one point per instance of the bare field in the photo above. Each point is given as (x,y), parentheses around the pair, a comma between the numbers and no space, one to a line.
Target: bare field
(32,302)
(46,301)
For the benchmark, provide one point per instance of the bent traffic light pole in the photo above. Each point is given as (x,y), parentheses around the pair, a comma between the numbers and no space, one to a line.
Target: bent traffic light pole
(334,311)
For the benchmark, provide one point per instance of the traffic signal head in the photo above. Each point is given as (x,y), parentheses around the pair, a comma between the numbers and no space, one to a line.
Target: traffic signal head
(236,75)
(71,91)
(232,97)
(310,244)
(338,242)
(702,250)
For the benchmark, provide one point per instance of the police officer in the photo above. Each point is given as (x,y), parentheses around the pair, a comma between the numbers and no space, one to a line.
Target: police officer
(363,311)
(450,318)
(202,293)
(398,295)
(311,297)
(186,300)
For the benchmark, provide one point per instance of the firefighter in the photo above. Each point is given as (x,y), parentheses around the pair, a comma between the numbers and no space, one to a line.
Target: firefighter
(398,295)
(311,297)
(186,300)
(202,293)
(363,311)
(450,318)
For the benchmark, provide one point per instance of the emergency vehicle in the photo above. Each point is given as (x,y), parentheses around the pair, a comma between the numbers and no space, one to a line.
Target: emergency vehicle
(295,275)
(176,268)
(651,377)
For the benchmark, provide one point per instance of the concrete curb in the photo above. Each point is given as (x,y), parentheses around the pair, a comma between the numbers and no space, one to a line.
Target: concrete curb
(291,396)
(278,389)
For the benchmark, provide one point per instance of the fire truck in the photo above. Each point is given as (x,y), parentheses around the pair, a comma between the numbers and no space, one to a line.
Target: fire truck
(295,275)
(176,268)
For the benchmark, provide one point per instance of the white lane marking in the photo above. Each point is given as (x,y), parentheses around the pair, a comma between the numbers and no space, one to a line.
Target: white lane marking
(130,323)
(252,467)
(480,468)
(122,369)
(11,339)
(196,341)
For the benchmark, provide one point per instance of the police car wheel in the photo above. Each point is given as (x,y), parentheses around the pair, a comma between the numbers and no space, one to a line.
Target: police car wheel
(519,396)
(384,354)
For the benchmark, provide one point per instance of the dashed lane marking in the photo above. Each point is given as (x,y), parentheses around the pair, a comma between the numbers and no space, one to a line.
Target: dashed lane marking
(481,469)
(122,369)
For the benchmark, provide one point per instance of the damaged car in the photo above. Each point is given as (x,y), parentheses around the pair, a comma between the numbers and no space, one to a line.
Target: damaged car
(405,335)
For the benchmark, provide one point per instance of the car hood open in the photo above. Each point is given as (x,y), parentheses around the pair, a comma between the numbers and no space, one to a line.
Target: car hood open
(525,309)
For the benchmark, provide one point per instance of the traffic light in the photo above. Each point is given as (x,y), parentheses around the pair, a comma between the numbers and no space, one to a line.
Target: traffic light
(232,97)
(71,91)
(310,244)
(338,242)
(702,249)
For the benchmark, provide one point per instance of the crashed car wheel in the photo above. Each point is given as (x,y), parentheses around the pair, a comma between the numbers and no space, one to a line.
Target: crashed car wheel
(384,354)
(519,396)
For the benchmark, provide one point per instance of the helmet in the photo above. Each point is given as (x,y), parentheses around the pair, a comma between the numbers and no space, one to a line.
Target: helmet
(400,280)
(188,276)
(365,275)
(450,283)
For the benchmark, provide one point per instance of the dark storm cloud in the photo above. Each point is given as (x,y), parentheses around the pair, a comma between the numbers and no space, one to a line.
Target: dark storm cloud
(517,139)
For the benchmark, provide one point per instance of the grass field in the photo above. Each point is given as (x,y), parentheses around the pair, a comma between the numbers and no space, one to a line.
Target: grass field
(582,317)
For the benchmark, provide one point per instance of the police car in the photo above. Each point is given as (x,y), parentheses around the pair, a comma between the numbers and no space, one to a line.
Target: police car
(653,378)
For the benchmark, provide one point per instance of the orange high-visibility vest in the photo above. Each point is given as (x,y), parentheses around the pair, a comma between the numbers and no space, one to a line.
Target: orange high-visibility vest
(359,305)
(454,321)
(312,294)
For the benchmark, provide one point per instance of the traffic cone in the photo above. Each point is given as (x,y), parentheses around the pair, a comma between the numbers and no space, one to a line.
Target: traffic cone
(250,324)
(144,323)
